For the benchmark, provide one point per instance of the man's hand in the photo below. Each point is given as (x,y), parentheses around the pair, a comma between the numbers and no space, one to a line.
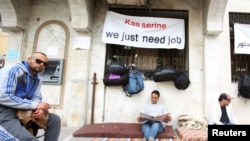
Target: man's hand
(43,106)
(38,114)
(139,119)
(168,118)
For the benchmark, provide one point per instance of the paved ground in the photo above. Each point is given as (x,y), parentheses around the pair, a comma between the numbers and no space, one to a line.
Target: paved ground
(66,135)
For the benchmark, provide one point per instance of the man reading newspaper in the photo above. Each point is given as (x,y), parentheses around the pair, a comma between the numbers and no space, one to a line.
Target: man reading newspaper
(153,116)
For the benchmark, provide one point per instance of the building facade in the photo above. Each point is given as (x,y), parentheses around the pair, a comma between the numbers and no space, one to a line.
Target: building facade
(71,31)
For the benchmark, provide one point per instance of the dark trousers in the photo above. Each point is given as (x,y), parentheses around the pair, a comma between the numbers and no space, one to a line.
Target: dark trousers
(12,130)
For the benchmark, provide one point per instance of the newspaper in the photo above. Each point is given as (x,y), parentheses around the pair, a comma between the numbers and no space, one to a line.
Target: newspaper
(154,118)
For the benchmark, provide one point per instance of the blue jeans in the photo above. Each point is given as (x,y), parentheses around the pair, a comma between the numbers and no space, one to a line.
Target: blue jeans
(228,123)
(150,129)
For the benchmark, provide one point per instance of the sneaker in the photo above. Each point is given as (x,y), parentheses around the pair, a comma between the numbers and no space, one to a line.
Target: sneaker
(151,139)
(143,139)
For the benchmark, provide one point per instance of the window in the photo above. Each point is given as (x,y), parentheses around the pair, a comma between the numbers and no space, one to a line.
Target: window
(239,62)
(147,60)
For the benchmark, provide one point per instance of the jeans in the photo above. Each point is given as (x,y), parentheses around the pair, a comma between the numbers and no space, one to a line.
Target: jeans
(228,123)
(150,129)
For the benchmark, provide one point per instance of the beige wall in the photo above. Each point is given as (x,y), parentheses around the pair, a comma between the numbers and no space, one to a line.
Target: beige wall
(3,43)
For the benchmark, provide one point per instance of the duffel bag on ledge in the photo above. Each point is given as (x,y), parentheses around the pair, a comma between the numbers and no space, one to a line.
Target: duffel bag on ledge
(164,74)
(112,79)
(117,68)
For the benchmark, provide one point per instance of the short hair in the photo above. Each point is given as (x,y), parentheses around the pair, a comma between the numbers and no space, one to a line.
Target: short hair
(156,92)
(39,53)
(224,96)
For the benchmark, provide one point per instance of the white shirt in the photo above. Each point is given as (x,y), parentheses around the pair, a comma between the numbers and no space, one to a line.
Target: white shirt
(154,110)
(215,114)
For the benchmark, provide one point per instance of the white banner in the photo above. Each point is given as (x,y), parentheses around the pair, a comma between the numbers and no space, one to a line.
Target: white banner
(144,32)
(241,38)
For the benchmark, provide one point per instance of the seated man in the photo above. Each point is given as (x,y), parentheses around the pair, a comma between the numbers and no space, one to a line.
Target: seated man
(221,112)
(20,89)
(152,128)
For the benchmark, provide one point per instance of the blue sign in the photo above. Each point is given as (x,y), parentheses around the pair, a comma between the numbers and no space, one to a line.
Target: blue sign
(12,54)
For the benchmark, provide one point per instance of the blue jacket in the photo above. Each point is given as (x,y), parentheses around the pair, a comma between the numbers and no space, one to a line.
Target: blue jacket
(18,88)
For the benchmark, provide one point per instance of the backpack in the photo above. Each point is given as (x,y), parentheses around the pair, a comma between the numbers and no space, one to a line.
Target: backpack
(244,86)
(181,81)
(135,83)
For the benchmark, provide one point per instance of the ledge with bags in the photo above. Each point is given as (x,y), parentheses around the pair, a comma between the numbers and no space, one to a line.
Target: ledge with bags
(118,75)
(168,73)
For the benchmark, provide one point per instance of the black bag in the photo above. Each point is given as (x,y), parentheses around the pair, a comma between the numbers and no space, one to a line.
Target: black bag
(181,81)
(244,86)
(117,68)
(164,74)
(112,79)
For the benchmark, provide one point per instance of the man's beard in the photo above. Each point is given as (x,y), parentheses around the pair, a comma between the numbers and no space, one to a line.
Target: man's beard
(37,70)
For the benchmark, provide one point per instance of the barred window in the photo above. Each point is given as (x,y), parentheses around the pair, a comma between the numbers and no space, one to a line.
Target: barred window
(240,63)
(147,60)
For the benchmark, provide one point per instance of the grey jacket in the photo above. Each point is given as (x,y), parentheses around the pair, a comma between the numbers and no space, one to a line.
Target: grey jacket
(18,88)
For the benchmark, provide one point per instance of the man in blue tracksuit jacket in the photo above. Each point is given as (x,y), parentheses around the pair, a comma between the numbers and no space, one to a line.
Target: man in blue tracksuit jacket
(20,86)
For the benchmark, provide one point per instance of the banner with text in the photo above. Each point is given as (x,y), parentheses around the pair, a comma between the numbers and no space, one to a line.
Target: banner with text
(144,32)
(241,38)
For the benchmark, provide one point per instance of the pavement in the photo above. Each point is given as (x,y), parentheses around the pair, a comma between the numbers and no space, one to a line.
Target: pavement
(65,135)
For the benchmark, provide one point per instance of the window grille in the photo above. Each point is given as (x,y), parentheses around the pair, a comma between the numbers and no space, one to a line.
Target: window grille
(147,60)
(240,63)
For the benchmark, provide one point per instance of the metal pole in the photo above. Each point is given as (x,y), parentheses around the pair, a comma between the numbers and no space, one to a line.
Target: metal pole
(93,98)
